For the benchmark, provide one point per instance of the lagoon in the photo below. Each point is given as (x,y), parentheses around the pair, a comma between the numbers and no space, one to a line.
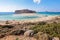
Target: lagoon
(27,16)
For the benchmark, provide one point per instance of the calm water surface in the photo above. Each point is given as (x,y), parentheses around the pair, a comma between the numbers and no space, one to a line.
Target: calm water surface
(13,16)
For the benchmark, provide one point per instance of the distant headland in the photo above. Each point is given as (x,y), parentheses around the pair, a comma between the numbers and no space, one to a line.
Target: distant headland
(24,11)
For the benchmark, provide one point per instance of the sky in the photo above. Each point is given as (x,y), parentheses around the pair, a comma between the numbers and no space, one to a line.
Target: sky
(37,5)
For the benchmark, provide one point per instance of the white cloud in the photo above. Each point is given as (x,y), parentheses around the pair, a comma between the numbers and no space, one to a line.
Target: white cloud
(6,8)
(37,1)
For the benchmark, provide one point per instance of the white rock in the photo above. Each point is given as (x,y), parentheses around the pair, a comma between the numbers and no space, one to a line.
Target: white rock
(55,38)
(29,33)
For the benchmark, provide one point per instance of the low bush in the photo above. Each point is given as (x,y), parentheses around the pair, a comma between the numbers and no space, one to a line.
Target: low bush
(53,29)
(7,26)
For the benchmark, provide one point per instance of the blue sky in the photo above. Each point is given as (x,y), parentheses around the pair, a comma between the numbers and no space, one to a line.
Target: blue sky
(37,5)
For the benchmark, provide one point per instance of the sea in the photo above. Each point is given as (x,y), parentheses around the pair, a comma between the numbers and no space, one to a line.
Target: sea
(12,16)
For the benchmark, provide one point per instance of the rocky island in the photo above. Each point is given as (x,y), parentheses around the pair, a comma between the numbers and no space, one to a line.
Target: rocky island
(24,11)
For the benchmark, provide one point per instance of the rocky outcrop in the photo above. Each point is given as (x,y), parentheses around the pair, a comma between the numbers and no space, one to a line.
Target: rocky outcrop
(24,11)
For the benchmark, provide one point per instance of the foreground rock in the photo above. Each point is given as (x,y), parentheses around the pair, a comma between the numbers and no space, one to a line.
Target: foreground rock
(29,33)
(55,38)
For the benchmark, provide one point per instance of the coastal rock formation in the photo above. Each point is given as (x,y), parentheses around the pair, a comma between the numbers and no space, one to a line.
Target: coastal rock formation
(24,11)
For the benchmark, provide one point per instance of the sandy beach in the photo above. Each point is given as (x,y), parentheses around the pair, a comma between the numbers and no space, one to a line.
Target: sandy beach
(45,19)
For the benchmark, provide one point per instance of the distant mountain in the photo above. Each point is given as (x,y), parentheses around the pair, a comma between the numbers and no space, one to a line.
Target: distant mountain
(24,11)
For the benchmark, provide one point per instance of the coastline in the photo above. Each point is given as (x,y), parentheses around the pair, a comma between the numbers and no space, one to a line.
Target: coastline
(14,27)
(42,19)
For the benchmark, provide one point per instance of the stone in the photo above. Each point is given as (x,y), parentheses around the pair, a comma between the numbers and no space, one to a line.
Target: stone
(29,33)
(55,38)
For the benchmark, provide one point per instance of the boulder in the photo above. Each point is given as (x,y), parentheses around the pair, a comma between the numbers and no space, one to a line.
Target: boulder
(55,38)
(29,33)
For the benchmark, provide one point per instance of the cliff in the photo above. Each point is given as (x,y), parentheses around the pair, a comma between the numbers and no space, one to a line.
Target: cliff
(24,11)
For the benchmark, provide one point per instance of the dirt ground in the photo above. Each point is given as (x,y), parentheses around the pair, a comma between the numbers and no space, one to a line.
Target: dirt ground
(13,37)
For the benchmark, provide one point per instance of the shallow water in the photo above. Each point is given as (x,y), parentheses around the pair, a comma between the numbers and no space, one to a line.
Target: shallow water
(13,16)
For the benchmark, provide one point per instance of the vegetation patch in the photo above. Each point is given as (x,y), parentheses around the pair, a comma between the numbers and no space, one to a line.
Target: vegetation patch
(53,29)
(7,26)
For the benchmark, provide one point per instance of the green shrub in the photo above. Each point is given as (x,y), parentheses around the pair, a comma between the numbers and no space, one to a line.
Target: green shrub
(53,29)
(7,26)
(41,23)
(41,36)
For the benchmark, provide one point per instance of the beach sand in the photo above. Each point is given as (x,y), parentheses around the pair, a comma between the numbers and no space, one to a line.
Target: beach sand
(46,19)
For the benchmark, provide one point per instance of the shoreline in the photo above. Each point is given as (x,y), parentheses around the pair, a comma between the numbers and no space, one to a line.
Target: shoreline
(24,16)
(42,19)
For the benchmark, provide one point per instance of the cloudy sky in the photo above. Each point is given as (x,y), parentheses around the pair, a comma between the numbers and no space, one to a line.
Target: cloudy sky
(37,5)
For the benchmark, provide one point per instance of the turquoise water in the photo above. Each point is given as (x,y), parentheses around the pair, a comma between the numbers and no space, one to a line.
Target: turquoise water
(13,16)
(49,13)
